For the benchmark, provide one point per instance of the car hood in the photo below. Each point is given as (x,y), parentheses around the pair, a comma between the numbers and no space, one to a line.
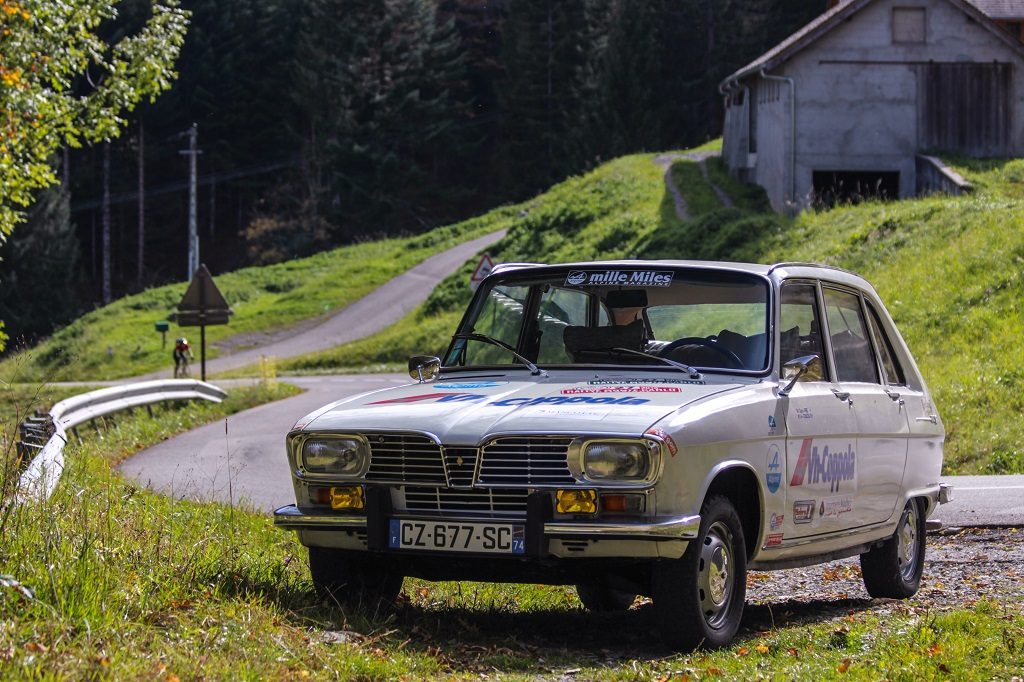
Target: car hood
(464,411)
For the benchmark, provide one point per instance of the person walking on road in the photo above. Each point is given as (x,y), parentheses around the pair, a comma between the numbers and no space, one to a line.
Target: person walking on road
(182,356)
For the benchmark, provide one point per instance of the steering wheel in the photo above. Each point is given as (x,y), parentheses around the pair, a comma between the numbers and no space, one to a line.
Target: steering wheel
(711,342)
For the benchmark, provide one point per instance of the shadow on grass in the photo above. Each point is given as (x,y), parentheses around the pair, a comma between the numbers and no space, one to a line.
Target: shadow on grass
(483,639)
(530,641)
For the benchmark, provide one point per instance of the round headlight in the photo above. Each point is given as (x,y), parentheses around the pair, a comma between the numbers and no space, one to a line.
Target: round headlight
(616,460)
(339,456)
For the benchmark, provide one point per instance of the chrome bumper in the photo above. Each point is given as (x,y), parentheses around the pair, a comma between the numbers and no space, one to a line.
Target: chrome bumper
(945,493)
(669,528)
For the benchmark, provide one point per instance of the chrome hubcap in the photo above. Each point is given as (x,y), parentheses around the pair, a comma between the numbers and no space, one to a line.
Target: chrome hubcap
(908,540)
(715,581)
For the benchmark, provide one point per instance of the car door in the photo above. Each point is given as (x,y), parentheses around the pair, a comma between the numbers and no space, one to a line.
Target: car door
(925,430)
(821,429)
(882,428)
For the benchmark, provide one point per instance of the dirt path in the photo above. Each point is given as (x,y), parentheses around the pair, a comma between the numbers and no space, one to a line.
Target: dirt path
(374,312)
(700,158)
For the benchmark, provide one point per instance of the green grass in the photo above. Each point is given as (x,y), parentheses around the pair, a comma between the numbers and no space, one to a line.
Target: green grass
(109,581)
(949,270)
(119,340)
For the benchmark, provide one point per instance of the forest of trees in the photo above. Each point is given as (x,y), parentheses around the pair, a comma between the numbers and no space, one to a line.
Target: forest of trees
(322,122)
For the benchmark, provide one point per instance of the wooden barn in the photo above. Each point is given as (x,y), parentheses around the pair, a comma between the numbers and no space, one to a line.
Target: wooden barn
(851,104)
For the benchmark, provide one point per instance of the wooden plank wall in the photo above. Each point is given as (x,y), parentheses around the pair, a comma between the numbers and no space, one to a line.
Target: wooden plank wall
(967,108)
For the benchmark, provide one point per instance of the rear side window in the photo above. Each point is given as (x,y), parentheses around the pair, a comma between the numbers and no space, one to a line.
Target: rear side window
(849,336)
(890,365)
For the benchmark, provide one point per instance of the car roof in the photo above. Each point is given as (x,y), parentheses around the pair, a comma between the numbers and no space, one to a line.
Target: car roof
(777,271)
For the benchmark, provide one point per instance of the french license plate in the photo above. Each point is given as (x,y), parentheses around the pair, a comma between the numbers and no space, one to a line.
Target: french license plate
(448,536)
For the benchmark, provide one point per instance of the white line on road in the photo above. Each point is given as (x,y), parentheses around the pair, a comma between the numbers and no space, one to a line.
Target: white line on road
(993,487)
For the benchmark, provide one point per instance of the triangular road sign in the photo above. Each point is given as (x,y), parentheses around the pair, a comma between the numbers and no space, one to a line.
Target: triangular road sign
(483,268)
(203,295)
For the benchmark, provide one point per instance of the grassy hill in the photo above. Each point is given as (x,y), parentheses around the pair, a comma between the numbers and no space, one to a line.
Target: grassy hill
(949,269)
(119,340)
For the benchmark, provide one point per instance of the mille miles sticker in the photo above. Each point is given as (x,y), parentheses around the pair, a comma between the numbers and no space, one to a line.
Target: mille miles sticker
(614,278)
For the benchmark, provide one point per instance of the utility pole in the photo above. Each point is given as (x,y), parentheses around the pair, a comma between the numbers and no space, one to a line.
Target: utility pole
(193,232)
(142,206)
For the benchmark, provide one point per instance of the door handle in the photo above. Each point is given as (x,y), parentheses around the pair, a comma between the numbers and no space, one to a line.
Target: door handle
(842,395)
(896,397)
(933,418)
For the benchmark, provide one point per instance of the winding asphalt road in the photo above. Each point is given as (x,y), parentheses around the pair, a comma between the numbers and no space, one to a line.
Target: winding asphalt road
(201,463)
(247,465)
(374,312)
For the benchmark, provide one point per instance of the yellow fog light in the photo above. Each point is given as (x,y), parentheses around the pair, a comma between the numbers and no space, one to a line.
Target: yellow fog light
(348,497)
(577,501)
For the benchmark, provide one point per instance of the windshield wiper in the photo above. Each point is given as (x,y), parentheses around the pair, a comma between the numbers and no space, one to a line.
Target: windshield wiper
(534,369)
(694,374)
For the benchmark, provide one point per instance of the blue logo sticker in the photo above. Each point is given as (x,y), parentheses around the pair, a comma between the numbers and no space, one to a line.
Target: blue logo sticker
(773,477)
(462,385)
(771,422)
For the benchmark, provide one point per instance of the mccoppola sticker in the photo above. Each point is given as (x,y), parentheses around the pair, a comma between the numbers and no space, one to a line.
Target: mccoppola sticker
(615,278)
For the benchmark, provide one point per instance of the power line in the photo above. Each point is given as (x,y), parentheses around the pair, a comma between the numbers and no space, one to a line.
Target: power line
(203,180)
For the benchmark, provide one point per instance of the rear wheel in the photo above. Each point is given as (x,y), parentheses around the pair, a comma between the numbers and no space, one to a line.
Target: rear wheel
(600,597)
(894,568)
(339,579)
(699,599)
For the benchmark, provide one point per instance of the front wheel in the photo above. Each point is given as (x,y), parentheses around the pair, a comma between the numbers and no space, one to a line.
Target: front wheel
(894,568)
(699,598)
(339,579)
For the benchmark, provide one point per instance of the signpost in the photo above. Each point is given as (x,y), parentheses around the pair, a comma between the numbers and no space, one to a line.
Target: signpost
(201,305)
(483,268)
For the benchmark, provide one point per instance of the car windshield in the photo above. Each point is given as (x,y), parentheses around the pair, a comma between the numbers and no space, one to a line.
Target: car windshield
(706,319)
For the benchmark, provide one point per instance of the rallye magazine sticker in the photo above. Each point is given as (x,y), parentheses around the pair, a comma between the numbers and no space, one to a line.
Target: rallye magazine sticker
(620,389)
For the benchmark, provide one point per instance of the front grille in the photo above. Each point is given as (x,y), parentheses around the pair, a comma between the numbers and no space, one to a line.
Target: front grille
(526,461)
(461,465)
(496,502)
(404,458)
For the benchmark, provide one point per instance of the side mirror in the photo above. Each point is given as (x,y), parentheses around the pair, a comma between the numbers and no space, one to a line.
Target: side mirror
(798,367)
(424,368)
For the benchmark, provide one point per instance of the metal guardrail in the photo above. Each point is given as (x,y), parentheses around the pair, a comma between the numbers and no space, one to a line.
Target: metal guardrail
(48,434)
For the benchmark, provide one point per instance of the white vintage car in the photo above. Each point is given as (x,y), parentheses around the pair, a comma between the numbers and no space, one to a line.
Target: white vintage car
(633,427)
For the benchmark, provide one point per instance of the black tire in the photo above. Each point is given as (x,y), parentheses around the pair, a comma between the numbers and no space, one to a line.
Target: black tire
(894,569)
(599,597)
(699,598)
(339,579)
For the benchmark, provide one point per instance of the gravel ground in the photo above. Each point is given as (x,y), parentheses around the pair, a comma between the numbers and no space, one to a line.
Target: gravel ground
(962,566)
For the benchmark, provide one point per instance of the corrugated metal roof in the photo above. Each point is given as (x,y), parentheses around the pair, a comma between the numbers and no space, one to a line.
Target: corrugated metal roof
(1001,9)
(847,8)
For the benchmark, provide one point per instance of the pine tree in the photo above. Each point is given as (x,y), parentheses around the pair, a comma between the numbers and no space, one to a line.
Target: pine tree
(543,54)
(630,87)
(39,269)
(378,87)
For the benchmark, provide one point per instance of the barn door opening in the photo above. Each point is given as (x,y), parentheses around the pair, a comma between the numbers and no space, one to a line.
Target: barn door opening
(966,108)
(840,187)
